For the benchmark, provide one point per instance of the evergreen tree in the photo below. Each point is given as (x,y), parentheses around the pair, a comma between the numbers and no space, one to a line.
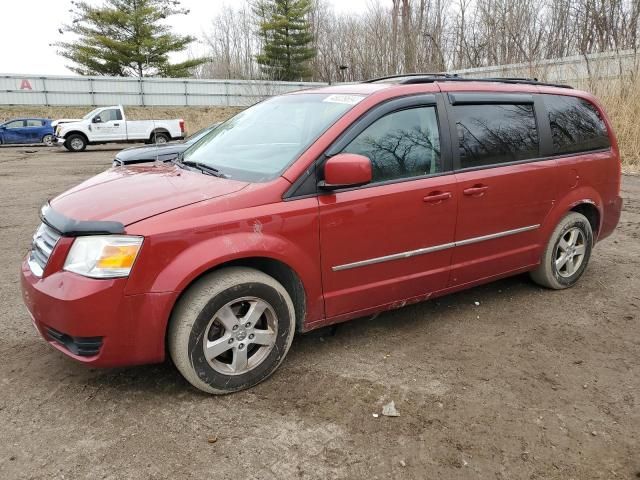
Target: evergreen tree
(287,38)
(126,38)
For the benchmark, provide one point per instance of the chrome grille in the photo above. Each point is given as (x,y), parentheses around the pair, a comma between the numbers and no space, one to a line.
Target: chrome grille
(44,241)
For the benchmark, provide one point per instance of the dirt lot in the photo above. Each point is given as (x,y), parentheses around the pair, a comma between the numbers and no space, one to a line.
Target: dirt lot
(527,384)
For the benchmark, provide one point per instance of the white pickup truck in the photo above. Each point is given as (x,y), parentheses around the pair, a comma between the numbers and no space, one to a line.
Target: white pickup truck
(109,125)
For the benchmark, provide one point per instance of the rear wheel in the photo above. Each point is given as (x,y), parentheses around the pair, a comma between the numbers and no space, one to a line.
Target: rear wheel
(231,330)
(48,140)
(75,143)
(567,254)
(159,138)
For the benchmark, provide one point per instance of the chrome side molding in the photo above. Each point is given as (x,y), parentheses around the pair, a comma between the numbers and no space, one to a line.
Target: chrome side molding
(435,248)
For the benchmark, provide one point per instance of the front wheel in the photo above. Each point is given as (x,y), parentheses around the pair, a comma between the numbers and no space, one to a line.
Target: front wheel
(48,140)
(567,254)
(75,143)
(231,330)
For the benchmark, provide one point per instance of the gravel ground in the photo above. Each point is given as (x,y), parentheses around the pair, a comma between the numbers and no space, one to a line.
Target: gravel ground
(528,384)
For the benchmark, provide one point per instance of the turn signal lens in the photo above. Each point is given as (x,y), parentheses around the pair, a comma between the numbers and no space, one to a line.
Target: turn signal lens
(118,257)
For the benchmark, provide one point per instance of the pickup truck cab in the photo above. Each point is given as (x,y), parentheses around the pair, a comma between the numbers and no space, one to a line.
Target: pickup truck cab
(320,206)
(110,125)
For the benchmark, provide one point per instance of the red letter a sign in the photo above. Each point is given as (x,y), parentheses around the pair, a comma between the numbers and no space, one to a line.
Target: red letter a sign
(25,85)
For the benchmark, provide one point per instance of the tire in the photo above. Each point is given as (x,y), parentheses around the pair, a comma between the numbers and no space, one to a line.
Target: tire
(567,254)
(48,140)
(160,138)
(75,143)
(214,313)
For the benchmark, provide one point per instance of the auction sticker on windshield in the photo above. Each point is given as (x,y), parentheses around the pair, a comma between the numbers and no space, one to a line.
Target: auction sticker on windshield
(346,99)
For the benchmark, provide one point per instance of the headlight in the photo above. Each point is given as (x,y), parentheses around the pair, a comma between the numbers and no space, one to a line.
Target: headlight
(106,256)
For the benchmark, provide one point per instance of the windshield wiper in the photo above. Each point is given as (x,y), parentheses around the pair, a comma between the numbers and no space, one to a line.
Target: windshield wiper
(203,167)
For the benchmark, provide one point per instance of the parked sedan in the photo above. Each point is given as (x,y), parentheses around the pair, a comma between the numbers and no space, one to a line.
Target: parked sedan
(162,152)
(27,130)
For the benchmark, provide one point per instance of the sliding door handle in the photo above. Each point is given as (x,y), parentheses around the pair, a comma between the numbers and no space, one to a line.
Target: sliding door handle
(476,190)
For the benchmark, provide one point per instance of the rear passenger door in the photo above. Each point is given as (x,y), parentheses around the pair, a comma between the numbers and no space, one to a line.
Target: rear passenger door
(504,185)
(390,240)
(34,130)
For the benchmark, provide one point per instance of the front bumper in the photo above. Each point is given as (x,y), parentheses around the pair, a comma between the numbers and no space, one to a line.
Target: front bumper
(94,321)
(59,141)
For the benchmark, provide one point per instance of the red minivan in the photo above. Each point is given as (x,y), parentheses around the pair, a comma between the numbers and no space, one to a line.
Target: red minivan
(316,207)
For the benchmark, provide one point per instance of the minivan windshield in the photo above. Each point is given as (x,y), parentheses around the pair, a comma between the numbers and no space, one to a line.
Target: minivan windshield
(259,143)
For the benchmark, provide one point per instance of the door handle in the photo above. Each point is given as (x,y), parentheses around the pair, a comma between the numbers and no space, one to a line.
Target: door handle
(476,190)
(437,197)
(116,124)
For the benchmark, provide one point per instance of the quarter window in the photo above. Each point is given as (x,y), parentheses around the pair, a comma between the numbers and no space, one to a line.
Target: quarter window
(401,144)
(576,125)
(494,134)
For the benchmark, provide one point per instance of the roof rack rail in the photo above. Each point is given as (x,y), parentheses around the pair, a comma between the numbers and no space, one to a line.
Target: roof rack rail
(413,78)
(405,75)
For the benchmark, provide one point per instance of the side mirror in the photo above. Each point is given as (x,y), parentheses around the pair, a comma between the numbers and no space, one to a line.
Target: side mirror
(96,120)
(346,170)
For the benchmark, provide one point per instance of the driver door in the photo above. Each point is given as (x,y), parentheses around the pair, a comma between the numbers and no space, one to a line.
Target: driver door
(391,241)
(108,125)
(14,132)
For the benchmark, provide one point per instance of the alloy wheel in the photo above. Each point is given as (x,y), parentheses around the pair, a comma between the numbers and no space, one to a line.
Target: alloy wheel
(570,252)
(240,336)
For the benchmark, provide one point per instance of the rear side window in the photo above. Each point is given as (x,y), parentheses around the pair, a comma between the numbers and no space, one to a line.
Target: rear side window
(401,144)
(576,125)
(496,133)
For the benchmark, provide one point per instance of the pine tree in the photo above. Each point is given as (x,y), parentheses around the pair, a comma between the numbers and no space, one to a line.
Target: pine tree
(287,39)
(126,38)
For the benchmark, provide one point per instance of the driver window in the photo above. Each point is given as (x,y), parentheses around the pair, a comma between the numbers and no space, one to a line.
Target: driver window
(110,115)
(401,144)
(15,124)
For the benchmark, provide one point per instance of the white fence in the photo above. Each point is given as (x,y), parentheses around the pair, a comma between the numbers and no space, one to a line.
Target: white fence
(99,91)
(577,69)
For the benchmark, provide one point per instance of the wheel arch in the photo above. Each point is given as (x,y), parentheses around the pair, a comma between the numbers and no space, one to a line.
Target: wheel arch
(277,269)
(589,209)
(77,132)
(157,130)
(584,200)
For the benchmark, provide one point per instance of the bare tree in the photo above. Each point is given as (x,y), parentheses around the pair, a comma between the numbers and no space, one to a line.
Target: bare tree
(394,36)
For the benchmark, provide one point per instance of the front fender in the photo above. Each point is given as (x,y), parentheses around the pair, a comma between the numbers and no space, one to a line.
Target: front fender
(199,258)
(165,265)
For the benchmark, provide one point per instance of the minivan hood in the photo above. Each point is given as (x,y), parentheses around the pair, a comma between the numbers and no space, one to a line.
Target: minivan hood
(131,194)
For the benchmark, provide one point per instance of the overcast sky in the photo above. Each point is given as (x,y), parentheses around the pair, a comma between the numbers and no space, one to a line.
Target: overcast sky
(28,27)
